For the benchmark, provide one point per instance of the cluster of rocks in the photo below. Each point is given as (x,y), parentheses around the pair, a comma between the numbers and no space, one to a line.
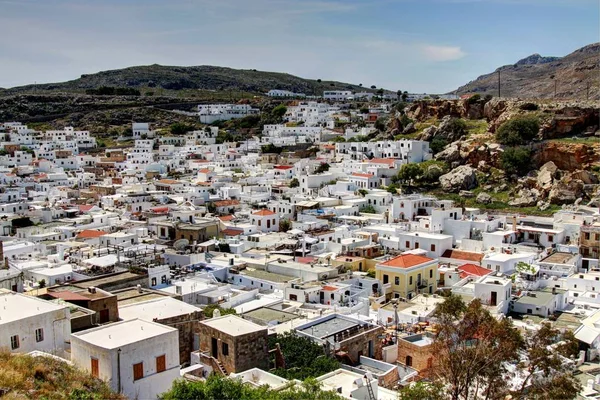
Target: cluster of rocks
(448,129)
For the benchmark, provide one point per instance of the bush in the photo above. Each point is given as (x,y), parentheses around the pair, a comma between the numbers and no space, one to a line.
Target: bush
(294,183)
(437,144)
(518,131)
(369,209)
(529,107)
(516,160)
(179,128)
(323,167)
(474,99)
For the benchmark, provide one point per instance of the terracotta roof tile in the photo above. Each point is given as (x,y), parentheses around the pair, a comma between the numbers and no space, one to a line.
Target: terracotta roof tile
(407,261)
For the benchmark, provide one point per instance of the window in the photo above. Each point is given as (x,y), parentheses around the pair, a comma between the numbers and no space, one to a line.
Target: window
(396,280)
(431,273)
(385,279)
(550,238)
(138,371)
(161,363)
(433,247)
(153,281)
(293,297)
(416,245)
(407,244)
(94,362)
(14,342)
(39,335)
(410,280)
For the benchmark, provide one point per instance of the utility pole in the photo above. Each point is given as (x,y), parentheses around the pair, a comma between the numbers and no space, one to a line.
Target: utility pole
(498,83)
(555,88)
(587,92)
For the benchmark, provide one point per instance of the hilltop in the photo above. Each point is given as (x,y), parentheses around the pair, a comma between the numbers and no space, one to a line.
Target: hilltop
(535,77)
(204,77)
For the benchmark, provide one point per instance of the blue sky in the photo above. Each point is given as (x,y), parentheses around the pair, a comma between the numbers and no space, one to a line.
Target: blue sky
(416,45)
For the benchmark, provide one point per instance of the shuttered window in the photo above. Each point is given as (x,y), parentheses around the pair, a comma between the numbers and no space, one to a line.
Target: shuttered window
(161,363)
(138,371)
(95,372)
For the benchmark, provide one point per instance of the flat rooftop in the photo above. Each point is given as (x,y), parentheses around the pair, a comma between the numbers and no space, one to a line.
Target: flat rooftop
(558,258)
(105,280)
(165,307)
(233,325)
(16,306)
(267,276)
(132,295)
(329,327)
(123,333)
(266,315)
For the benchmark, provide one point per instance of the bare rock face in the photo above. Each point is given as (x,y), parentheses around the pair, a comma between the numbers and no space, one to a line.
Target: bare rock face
(460,178)
(494,108)
(410,128)
(570,120)
(447,129)
(567,156)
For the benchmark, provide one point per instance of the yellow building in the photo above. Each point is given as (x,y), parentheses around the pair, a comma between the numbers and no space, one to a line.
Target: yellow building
(408,275)
(350,263)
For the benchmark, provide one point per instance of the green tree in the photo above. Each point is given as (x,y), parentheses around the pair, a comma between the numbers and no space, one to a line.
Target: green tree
(518,131)
(338,139)
(437,144)
(208,310)
(373,87)
(380,124)
(303,357)
(364,110)
(363,192)
(279,111)
(392,188)
(516,161)
(294,183)
(42,284)
(422,391)
(216,387)
(371,273)
(179,128)
(409,172)
(211,207)
(284,225)
(323,167)
(271,148)
(368,209)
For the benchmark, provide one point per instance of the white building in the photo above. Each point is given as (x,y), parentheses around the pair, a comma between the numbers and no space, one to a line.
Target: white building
(337,95)
(142,130)
(283,93)
(266,220)
(28,323)
(210,113)
(137,358)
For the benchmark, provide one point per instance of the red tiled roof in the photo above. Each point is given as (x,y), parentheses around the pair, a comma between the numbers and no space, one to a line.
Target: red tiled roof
(330,288)
(225,203)
(389,161)
(205,171)
(407,261)
(90,234)
(362,175)
(85,208)
(462,255)
(284,167)
(168,181)
(472,269)
(226,217)
(232,232)
(264,212)
(160,210)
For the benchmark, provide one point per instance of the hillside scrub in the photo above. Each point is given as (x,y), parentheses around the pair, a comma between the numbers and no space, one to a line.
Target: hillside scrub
(29,377)
(518,131)
(516,161)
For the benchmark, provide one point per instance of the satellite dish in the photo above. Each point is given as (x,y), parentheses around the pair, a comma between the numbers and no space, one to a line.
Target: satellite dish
(181,244)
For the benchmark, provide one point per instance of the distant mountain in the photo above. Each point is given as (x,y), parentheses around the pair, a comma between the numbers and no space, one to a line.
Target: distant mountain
(199,77)
(535,76)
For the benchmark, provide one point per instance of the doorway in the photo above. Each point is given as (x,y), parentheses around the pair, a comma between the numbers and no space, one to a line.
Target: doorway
(214,347)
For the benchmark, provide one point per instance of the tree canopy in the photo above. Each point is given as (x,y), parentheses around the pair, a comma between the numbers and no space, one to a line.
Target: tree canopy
(219,388)
(518,131)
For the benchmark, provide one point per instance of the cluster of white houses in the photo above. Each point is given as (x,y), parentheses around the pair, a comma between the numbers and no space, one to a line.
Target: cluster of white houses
(110,258)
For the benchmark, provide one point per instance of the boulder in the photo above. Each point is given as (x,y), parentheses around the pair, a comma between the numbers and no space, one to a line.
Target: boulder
(460,178)
(525,198)
(466,193)
(546,175)
(410,128)
(483,198)
(449,154)
(566,191)
(494,108)
(428,133)
(449,130)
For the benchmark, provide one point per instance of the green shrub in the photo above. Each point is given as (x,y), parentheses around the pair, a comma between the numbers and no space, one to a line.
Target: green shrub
(518,131)
(474,99)
(438,144)
(516,160)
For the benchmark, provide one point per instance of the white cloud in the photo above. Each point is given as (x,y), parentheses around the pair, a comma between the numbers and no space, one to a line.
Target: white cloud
(442,53)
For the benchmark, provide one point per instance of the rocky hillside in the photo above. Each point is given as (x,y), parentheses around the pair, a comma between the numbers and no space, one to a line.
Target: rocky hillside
(200,77)
(534,77)
(560,165)
(24,376)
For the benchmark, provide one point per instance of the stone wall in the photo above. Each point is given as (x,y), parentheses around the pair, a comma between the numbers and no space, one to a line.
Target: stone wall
(422,356)
(358,344)
(188,325)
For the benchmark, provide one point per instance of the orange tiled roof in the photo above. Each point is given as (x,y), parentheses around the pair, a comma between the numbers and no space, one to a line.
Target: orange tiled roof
(330,288)
(472,269)
(362,175)
(226,217)
(232,232)
(90,234)
(225,203)
(407,261)
(389,161)
(463,255)
(263,212)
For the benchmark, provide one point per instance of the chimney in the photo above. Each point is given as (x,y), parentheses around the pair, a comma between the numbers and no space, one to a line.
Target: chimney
(92,289)
(514,223)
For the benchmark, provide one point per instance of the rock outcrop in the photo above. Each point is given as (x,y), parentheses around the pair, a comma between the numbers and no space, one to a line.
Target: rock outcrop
(460,178)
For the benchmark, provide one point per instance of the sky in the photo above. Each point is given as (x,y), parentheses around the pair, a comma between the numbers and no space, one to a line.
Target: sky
(420,46)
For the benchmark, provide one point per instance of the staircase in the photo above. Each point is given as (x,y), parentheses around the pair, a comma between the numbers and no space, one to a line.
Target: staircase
(370,390)
(221,367)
